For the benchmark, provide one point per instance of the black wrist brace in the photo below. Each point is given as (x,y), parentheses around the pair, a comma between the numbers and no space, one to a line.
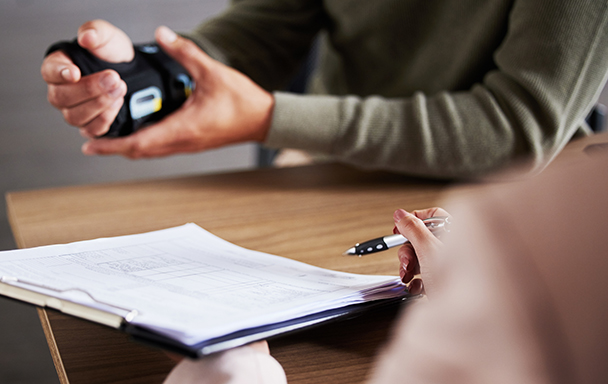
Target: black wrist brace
(156,84)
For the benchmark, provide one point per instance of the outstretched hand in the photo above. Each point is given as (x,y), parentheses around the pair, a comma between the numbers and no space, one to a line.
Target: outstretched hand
(226,107)
(417,255)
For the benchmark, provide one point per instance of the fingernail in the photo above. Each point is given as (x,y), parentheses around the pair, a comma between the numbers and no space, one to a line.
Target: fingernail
(399,214)
(90,35)
(67,74)
(166,35)
(108,81)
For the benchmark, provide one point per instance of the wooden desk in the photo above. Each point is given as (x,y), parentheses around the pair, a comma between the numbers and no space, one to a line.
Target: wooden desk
(307,213)
(310,214)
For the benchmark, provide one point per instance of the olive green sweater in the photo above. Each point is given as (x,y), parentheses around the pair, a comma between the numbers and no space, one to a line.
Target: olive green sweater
(444,88)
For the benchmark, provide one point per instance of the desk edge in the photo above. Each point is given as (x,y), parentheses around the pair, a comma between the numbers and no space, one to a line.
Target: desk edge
(52,343)
(12,219)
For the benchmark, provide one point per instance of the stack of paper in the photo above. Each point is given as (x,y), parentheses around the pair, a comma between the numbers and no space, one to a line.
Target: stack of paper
(185,286)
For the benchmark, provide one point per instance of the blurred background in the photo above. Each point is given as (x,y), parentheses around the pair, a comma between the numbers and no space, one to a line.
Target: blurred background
(39,150)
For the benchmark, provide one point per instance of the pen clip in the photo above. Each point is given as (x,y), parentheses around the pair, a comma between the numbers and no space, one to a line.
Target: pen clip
(438,224)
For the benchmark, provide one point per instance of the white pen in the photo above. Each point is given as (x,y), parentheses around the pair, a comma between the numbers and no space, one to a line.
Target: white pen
(435,224)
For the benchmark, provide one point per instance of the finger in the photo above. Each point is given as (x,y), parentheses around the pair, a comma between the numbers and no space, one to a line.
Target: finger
(101,123)
(261,346)
(153,141)
(426,214)
(105,146)
(96,110)
(84,114)
(106,41)
(414,229)
(168,136)
(106,84)
(58,68)
(425,244)
(430,212)
(416,287)
(408,262)
(185,52)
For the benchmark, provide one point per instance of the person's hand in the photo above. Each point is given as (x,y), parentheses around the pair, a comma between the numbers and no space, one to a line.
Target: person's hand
(242,365)
(91,102)
(226,107)
(417,255)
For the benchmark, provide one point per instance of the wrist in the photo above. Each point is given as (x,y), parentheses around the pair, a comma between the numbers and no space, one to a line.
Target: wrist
(265,112)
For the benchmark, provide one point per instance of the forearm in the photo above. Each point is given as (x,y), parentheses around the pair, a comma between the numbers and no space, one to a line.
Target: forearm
(550,69)
(418,135)
(445,136)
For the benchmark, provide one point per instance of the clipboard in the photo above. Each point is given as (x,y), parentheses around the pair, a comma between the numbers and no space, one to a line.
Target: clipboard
(125,318)
(207,347)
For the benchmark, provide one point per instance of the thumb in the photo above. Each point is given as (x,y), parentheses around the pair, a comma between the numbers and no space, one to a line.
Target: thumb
(185,52)
(106,41)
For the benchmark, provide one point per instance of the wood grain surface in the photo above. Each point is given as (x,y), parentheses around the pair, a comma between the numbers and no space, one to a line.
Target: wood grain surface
(310,213)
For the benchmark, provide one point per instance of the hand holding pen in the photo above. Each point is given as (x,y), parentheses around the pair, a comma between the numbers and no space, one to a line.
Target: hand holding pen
(436,224)
(418,233)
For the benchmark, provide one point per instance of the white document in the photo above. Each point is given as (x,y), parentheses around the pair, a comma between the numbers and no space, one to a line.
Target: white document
(186,283)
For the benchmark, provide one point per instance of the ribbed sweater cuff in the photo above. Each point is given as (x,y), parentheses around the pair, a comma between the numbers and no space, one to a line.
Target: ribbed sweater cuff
(309,123)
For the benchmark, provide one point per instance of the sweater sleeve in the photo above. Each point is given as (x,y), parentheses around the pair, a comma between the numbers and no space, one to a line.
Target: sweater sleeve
(266,40)
(550,69)
(548,72)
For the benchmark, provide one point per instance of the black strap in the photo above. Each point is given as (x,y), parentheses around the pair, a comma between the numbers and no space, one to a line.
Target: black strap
(156,84)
